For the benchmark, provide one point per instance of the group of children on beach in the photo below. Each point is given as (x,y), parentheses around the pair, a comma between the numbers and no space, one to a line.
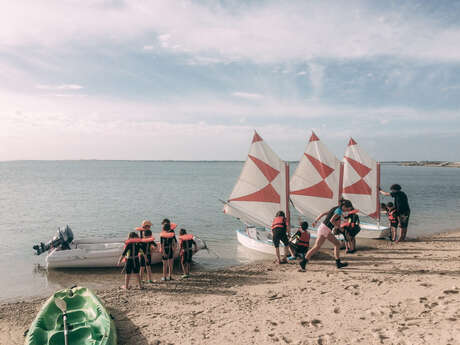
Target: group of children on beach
(140,245)
(298,245)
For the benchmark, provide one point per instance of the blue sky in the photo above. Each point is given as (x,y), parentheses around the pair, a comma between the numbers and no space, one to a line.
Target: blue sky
(192,79)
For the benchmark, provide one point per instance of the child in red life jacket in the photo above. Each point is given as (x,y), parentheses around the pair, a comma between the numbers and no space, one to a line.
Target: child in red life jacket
(167,221)
(279,233)
(149,246)
(390,210)
(168,243)
(130,256)
(299,242)
(187,247)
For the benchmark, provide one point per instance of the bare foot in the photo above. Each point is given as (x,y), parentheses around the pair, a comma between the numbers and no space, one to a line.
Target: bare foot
(124,287)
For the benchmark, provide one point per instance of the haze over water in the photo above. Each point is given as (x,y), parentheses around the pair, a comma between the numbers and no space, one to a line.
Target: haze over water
(110,198)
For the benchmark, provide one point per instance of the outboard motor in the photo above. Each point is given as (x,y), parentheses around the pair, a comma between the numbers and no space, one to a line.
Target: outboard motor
(61,240)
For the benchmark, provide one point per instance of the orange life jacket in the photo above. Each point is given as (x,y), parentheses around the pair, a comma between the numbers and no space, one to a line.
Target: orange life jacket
(186,237)
(304,239)
(173,225)
(165,234)
(278,222)
(391,215)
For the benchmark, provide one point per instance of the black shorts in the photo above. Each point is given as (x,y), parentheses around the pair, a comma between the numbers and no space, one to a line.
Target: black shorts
(279,235)
(132,266)
(186,257)
(298,249)
(404,220)
(148,263)
(167,254)
(394,224)
(352,232)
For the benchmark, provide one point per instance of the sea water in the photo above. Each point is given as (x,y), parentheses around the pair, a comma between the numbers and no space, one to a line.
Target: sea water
(111,198)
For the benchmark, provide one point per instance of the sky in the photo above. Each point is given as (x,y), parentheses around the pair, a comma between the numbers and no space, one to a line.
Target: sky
(192,80)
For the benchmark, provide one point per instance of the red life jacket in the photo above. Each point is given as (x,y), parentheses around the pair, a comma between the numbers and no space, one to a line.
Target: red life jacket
(278,222)
(304,239)
(165,234)
(186,237)
(391,215)
(148,239)
(173,225)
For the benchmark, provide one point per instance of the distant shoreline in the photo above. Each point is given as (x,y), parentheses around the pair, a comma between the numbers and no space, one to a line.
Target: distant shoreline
(442,164)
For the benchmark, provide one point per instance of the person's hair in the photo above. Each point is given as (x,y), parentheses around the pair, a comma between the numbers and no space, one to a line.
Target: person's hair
(390,205)
(395,187)
(280,214)
(166,226)
(132,234)
(341,201)
(383,206)
(304,225)
(346,203)
(165,221)
(182,232)
(148,233)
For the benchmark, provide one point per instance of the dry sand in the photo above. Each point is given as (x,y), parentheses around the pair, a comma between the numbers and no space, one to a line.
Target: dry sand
(407,293)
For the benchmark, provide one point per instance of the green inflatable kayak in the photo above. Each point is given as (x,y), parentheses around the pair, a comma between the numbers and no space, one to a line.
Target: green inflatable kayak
(88,322)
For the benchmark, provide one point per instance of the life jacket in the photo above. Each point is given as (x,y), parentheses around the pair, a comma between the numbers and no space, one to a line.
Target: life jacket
(166,234)
(278,222)
(304,239)
(141,231)
(391,215)
(166,240)
(173,225)
(132,242)
(185,242)
(148,241)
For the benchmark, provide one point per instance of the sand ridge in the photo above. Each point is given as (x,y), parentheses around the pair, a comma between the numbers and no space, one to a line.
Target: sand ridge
(407,293)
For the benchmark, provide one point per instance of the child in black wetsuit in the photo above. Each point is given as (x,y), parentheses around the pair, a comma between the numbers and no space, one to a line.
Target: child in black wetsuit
(130,256)
(187,246)
(168,243)
(350,229)
(149,246)
(299,242)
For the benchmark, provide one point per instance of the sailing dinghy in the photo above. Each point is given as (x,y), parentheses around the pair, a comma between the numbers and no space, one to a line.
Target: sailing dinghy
(317,184)
(361,185)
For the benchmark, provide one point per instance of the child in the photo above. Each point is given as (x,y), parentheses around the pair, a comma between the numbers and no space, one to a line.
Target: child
(300,242)
(168,243)
(149,246)
(393,219)
(167,221)
(130,256)
(401,204)
(279,232)
(186,251)
(351,228)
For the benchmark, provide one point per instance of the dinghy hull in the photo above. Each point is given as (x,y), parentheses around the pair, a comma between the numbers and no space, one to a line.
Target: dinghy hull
(87,253)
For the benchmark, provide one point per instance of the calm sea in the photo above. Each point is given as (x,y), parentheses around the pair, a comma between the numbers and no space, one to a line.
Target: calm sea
(109,198)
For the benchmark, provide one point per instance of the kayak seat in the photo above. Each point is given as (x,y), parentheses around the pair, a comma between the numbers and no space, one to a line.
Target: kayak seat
(79,336)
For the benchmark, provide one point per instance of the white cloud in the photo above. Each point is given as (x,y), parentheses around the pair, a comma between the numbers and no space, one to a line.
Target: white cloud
(248,95)
(267,32)
(62,87)
(148,47)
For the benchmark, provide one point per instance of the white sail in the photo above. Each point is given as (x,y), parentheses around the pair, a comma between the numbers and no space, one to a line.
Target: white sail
(315,185)
(361,180)
(261,189)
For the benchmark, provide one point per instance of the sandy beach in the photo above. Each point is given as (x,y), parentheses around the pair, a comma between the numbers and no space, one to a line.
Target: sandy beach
(407,293)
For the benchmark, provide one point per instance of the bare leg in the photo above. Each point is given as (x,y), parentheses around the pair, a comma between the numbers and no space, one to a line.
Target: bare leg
(149,273)
(318,243)
(336,243)
(165,268)
(183,266)
(353,243)
(139,280)
(126,286)
(277,251)
(402,237)
(188,268)
(170,266)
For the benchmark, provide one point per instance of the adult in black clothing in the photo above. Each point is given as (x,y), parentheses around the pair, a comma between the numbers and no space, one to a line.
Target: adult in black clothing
(402,208)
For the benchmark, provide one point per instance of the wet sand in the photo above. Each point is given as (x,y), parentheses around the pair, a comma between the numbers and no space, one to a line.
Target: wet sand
(407,293)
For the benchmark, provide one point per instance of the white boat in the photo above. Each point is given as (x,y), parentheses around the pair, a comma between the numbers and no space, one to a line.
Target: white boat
(65,252)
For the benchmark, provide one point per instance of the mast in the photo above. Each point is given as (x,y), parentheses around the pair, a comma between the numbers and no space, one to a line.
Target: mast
(288,213)
(378,195)
(339,196)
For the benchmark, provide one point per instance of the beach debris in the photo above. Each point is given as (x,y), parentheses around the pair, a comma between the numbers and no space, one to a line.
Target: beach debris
(336,310)
(448,292)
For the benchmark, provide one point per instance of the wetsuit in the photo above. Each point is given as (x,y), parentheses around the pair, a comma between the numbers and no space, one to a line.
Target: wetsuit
(393,218)
(167,240)
(186,245)
(279,232)
(131,253)
(146,247)
(402,208)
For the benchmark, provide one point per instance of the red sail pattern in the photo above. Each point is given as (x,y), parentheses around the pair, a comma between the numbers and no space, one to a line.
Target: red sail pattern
(360,187)
(256,138)
(320,190)
(266,194)
(269,172)
(323,170)
(361,169)
(313,137)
